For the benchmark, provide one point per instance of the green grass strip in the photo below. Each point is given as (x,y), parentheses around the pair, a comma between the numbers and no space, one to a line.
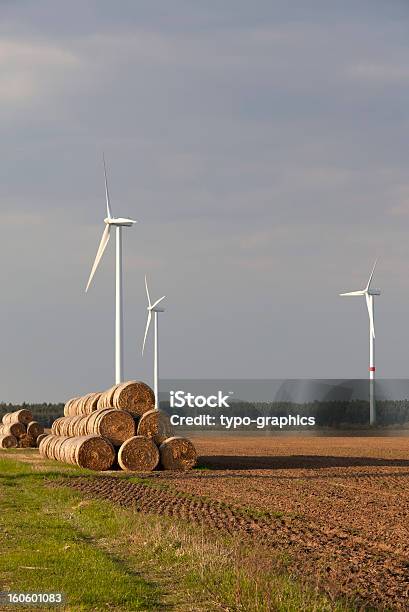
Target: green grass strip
(43,547)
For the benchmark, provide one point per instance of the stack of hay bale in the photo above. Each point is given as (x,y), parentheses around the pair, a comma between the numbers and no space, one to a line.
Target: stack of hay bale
(119,428)
(19,430)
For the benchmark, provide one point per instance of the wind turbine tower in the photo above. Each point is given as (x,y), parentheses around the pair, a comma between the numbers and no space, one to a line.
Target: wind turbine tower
(369,294)
(153,308)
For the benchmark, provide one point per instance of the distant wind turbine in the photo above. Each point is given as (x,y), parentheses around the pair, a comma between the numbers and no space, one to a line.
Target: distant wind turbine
(118,223)
(369,294)
(153,308)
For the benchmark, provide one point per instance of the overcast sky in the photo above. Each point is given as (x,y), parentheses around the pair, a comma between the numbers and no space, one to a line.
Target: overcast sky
(262,146)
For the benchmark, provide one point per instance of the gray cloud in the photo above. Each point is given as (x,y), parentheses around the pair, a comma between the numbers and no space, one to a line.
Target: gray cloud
(262,147)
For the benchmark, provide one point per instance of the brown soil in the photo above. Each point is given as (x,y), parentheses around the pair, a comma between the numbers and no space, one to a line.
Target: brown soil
(338,507)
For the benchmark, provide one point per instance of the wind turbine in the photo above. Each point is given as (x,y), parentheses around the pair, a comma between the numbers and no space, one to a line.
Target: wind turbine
(369,294)
(153,308)
(118,223)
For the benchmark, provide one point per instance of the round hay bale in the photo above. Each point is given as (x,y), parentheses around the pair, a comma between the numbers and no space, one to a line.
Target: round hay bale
(155,424)
(138,454)
(84,400)
(74,406)
(65,450)
(110,395)
(40,437)
(177,454)
(23,416)
(94,453)
(92,402)
(82,426)
(78,424)
(62,426)
(77,407)
(34,429)
(51,448)
(57,453)
(57,448)
(82,404)
(56,426)
(47,449)
(106,398)
(100,403)
(43,446)
(71,427)
(87,399)
(67,407)
(8,441)
(134,397)
(70,449)
(115,425)
(26,441)
(16,429)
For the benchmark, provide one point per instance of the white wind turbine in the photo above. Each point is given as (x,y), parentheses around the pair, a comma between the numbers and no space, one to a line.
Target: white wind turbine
(369,294)
(153,308)
(118,223)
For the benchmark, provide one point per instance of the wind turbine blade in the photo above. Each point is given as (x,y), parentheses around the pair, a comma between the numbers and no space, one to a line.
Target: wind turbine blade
(147,329)
(157,301)
(147,292)
(109,214)
(352,293)
(370,278)
(100,252)
(369,304)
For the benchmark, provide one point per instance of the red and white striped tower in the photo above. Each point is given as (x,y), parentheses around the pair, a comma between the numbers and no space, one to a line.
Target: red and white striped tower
(372,407)
(369,294)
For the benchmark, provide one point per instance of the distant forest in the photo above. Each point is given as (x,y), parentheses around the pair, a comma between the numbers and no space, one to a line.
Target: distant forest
(43,413)
(327,414)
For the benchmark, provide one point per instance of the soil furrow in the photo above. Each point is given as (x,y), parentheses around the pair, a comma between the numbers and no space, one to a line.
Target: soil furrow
(343,564)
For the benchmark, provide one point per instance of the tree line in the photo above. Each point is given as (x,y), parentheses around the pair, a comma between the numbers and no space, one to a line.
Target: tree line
(45,413)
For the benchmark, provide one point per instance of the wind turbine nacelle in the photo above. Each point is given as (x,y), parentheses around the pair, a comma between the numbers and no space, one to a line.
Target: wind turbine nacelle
(374,292)
(120,221)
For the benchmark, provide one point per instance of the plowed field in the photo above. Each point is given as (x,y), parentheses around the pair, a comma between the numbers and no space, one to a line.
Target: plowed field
(337,507)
